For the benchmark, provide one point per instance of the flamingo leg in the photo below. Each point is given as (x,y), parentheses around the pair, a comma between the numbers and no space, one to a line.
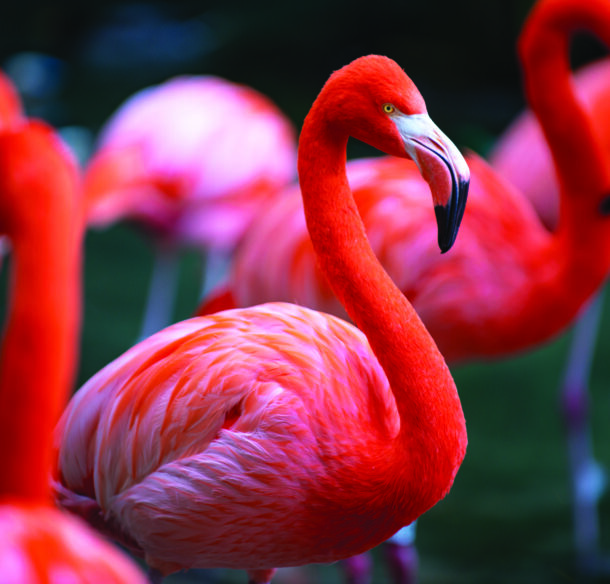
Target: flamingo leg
(154,576)
(215,269)
(401,555)
(358,569)
(588,477)
(159,308)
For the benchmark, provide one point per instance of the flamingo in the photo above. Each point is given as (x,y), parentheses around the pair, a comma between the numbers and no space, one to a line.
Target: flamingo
(276,435)
(40,214)
(521,155)
(193,160)
(510,283)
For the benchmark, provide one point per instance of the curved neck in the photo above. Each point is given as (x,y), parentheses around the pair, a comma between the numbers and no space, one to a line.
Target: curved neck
(578,153)
(432,435)
(38,353)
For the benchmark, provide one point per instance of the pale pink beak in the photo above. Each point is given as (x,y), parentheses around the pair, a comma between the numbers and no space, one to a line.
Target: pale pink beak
(442,167)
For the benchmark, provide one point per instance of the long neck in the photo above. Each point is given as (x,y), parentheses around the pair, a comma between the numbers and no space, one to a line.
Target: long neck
(432,433)
(582,239)
(38,352)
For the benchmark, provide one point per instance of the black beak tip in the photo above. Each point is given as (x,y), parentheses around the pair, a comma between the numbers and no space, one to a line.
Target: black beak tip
(449,217)
(446,235)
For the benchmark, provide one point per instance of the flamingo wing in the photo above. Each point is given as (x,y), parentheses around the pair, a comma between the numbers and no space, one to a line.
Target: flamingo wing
(240,417)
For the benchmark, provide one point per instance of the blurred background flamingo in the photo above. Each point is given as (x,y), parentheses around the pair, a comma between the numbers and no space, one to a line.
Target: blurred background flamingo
(193,161)
(522,156)
(40,214)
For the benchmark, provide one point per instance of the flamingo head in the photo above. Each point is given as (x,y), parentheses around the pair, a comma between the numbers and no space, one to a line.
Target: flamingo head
(373,100)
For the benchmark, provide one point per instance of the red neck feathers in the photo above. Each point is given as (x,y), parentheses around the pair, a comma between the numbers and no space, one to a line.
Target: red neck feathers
(577,149)
(433,435)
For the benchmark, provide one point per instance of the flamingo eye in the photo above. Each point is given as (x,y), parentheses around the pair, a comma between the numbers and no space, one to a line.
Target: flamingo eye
(388,108)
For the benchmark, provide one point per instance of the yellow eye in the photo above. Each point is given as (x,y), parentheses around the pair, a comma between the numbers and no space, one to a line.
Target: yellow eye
(388,108)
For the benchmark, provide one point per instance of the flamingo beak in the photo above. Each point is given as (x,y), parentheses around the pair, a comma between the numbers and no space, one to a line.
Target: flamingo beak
(442,167)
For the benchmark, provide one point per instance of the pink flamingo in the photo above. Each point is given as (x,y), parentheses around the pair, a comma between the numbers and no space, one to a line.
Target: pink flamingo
(277,435)
(510,283)
(193,160)
(40,214)
(522,156)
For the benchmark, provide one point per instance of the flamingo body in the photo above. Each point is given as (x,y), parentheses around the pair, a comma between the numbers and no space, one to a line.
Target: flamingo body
(260,432)
(193,159)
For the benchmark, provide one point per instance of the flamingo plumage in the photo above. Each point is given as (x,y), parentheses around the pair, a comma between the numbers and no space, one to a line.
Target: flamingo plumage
(40,214)
(193,161)
(276,435)
(510,283)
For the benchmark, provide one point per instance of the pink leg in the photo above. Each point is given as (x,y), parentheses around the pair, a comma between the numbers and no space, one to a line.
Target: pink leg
(159,309)
(401,556)
(358,569)
(587,476)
